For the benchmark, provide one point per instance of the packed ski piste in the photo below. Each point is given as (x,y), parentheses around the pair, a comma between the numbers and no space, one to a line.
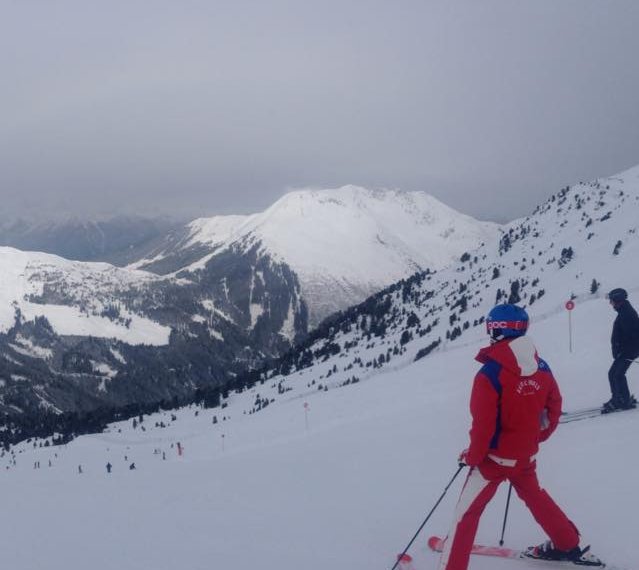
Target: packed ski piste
(343,478)
(516,405)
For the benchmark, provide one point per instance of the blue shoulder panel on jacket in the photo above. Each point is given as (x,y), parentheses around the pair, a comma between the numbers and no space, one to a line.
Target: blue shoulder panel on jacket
(491,370)
(543,366)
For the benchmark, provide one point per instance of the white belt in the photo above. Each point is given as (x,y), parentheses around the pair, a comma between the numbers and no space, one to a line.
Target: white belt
(507,462)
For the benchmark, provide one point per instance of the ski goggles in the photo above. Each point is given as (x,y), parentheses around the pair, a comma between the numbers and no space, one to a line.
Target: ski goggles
(512,325)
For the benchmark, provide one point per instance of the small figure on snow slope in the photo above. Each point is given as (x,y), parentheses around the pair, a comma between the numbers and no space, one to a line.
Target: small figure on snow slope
(625,349)
(511,392)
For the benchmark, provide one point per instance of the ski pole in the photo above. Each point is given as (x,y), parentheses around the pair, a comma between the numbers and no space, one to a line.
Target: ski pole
(503,528)
(461,466)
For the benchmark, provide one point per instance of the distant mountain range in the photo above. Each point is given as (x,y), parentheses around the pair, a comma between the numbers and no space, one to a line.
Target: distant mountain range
(198,305)
(113,240)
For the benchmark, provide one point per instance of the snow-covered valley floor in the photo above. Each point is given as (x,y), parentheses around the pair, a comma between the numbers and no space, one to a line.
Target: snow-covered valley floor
(262,491)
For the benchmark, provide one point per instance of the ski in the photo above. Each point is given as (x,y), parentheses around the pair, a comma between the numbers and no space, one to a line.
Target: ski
(581,411)
(567,417)
(586,414)
(436,544)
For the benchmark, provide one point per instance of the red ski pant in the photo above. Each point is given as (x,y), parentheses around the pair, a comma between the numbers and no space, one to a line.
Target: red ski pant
(480,487)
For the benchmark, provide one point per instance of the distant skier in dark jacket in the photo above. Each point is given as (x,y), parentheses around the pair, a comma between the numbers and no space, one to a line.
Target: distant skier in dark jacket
(625,349)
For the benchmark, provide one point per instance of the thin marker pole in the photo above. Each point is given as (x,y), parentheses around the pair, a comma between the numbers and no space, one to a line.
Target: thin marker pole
(570,330)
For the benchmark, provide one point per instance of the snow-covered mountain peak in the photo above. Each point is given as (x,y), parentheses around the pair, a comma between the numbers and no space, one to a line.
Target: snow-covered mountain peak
(384,205)
(354,241)
(352,221)
(343,244)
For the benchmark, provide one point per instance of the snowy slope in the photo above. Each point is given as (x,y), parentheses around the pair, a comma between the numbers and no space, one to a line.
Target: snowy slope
(25,276)
(343,244)
(261,491)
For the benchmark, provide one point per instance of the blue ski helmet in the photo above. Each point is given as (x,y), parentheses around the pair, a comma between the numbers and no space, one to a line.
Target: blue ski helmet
(506,321)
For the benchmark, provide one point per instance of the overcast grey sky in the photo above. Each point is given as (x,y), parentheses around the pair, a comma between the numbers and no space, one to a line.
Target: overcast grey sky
(203,107)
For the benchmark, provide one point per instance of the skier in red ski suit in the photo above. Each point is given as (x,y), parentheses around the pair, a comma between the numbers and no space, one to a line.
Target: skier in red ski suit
(515,405)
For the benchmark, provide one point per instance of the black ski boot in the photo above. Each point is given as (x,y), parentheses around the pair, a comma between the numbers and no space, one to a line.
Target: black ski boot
(610,406)
(613,405)
(578,556)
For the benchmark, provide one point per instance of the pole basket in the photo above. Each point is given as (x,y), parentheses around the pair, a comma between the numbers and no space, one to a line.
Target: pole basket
(405,562)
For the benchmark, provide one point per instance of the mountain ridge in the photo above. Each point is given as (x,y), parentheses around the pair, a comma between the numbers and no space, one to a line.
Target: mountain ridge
(351,238)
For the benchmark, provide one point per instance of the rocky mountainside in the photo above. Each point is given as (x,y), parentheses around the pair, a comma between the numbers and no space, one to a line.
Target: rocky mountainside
(76,336)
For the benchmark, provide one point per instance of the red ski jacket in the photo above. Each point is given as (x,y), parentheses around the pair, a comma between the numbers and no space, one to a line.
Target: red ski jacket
(515,402)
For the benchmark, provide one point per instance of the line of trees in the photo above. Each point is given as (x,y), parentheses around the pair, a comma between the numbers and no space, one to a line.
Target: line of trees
(64,427)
